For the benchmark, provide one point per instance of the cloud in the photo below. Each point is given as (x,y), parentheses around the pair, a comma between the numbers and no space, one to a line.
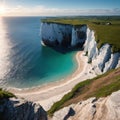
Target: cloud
(44,11)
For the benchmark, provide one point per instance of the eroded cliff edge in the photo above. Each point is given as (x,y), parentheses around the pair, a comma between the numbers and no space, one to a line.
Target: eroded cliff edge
(20,109)
(102,59)
(81,36)
(107,108)
(63,35)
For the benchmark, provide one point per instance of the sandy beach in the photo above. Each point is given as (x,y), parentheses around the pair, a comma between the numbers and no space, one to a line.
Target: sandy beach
(47,94)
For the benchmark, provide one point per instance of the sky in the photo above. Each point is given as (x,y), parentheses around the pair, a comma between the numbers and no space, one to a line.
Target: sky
(59,7)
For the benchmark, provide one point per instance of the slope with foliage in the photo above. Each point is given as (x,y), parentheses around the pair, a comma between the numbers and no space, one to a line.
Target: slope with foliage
(100,86)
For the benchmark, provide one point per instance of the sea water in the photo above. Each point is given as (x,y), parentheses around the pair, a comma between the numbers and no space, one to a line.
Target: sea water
(24,62)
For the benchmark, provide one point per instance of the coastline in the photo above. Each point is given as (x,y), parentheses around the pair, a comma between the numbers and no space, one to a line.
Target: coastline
(47,94)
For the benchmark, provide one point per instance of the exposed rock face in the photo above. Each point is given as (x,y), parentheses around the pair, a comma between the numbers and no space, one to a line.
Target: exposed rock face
(90,46)
(101,59)
(107,108)
(18,109)
(78,35)
(62,35)
(56,34)
(69,36)
(103,56)
(118,65)
(113,62)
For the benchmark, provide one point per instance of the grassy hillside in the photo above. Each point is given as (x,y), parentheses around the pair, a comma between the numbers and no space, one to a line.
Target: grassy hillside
(100,86)
(104,33)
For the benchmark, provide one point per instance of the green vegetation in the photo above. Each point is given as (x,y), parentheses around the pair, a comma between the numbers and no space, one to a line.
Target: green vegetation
(5,94)
(99,86)
(107,29)
(108,89)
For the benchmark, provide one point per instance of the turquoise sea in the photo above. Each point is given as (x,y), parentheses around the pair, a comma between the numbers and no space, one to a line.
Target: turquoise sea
(24,62)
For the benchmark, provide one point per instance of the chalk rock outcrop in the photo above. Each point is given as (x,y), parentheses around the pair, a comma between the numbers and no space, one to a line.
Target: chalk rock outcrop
(78,35)
(113,62)
(19,109)
(101,59)
(107,108)
(69,36)
(63,35)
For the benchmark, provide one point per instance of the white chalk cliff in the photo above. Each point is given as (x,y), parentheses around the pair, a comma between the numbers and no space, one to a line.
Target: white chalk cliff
(54,34)
(101,60)
(107,108)
(78,35)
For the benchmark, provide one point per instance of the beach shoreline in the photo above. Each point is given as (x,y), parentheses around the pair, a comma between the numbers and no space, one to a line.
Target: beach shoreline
(47,94)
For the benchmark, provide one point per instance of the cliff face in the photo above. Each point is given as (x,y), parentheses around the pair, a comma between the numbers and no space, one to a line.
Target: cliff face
(107,108)
(56,34)
(101,59)
(19,109)
(69,36)
(78,35)
(63,35)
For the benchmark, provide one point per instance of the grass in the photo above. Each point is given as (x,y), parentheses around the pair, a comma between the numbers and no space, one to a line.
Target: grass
(103,33)
(108,89)
(108,34)
(99,86)
(5,94)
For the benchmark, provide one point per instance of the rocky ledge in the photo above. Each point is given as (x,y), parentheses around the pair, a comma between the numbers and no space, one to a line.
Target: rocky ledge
(19,109)
(107,108)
